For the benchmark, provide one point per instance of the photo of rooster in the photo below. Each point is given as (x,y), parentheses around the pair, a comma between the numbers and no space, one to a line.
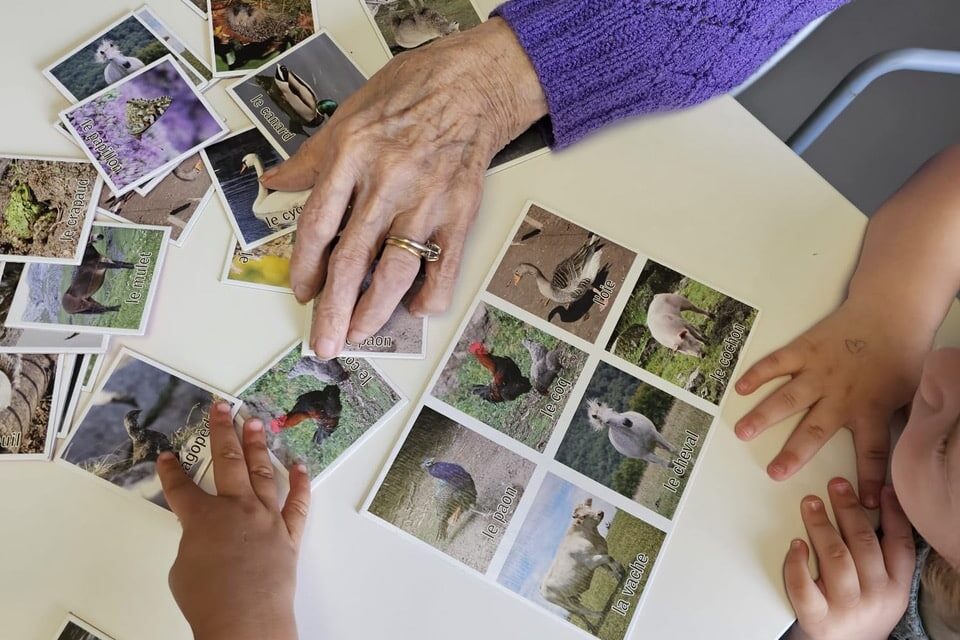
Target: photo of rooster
(314,410)
(505,373)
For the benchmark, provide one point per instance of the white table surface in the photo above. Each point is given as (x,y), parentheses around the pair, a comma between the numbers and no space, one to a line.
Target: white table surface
(709,190)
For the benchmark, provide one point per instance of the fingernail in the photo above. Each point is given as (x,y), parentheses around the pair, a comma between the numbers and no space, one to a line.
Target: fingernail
(165,456)
(742,386)
(744,431)
(302,292)
(814,504)
(931,393)
(269,173)
(223,407)
(796,544)
(776,470)
(254,425)
(356,337)
(302,468)
(870,501)
(841,486)
(325,348)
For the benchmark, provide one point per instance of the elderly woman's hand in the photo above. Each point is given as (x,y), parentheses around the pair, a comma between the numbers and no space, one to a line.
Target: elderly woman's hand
(410,150)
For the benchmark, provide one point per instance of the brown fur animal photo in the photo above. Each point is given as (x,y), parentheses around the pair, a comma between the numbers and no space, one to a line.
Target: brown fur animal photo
(110,291)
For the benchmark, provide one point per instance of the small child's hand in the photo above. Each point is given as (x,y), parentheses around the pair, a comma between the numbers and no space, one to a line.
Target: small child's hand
(853,370)
(864,582)
(235,573)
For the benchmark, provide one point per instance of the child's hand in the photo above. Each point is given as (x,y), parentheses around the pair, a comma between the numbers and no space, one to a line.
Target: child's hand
(853,370)
(864,583)
(235,573)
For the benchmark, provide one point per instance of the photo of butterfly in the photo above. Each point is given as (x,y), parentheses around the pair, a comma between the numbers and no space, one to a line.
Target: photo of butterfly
(142,113)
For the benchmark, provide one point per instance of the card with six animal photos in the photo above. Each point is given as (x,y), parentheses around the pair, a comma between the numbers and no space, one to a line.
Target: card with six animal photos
(111,291)
(509,375)
(139,409)
(267,267)
(294,94)
(48,206)
(635,439)
(246,34)
(14,340)
(175,202)
(29,404)
(73,628)
(124,47)
(561,272)
(317,412)
(683,331)
(582,559)
(451,488)
(144,125)
(256,214)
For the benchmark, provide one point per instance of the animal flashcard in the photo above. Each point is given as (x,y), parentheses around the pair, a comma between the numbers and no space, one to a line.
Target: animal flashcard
(73,628)
(256,214)
(582,559)
(510,375)
(318,411)
(266,267)
(138,410)
(407,24)
(246,34)
(297,92)
(91,366)
(198,6)
(124,47)
(14,340)
(143,125)
(451,488)
(176,201)
(47,208)
(110,291)
(683,331)
(29,404)
(636,439)
(561,272)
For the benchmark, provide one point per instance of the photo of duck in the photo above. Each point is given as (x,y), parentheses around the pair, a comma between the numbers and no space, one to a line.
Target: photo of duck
(271,203)
(300,97)
(572,278)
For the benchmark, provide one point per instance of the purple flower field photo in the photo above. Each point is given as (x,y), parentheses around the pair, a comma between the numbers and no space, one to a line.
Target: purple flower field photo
(144,123)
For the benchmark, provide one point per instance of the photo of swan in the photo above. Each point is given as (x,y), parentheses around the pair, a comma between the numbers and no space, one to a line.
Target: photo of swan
(561,272)
(296,93)
(257,214)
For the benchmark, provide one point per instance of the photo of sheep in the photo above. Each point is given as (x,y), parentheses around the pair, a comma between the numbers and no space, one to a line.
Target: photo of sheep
(121,49)
(510,376)
(256,214)
(561,272)
(452,488)
(408,24)
(636,439)
(142,125)
(28,404)
(246,34)
(582,559)
(315,411)
(140,409)
(175,202)
(682,331)
(47,208)
(292,96)
(14,340)
(111,291)
(76,629)
(265,267)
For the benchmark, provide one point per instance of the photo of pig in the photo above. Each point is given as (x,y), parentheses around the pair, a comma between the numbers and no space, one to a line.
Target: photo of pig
(683,331)
(561,272)
(582,559)
(636,439)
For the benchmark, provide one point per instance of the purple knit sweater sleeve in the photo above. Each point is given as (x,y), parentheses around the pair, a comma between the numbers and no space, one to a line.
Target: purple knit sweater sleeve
(603,60)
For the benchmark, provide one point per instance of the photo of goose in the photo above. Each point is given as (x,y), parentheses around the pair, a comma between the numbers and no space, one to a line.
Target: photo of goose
(257,214)
(561,272)
(297,93)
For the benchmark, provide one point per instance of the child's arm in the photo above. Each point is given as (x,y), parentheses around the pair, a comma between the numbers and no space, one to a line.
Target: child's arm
(235,573)
(862,363)
(864,582)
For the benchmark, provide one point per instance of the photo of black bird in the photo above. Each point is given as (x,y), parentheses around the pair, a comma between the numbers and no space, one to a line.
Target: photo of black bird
(323,406)
(456,492)
(508,381)
(146,444)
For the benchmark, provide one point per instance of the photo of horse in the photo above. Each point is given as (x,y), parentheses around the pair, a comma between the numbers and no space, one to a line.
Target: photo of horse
(110,291)
(582,559)
(683,331)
